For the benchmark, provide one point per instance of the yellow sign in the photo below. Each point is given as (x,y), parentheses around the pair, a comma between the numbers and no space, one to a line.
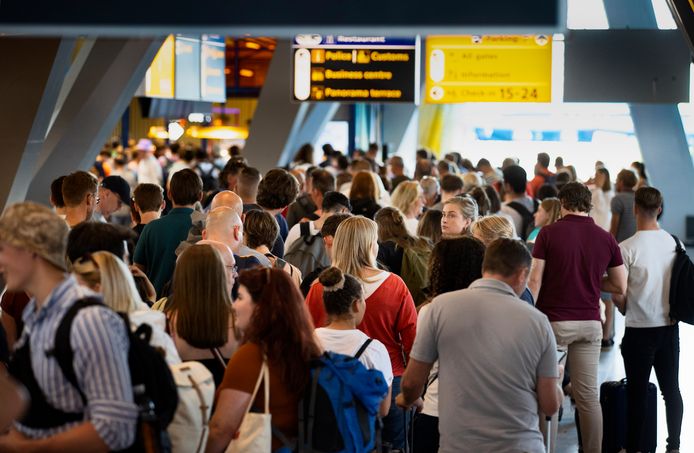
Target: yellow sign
(501,68)
(159,79)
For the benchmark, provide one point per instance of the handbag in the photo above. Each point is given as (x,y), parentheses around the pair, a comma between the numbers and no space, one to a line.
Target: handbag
(255,432)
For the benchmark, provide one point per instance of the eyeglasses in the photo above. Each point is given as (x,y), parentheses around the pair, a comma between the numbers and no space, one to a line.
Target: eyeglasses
(234,270)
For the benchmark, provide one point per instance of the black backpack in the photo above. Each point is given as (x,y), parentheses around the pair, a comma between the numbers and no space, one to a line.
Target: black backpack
(308,252)
(526,215)
(154,389)
(682,286)
(209,177)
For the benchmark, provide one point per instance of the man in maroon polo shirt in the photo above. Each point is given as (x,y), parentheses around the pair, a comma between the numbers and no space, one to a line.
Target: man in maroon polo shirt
(570,259)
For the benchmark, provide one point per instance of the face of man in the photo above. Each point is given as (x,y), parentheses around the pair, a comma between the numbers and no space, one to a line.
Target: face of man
(109,202)
(16,265)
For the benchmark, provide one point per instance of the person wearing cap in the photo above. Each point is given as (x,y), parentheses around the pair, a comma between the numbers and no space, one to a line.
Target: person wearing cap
(32,259)
(331,203)
(148,168)
(114,193)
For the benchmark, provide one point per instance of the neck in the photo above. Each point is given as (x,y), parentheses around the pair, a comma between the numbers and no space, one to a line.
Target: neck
(273,211)
(342,324)
(46,279)
(60,211)
(514,196)
(445,196)
(75,215)
(147,217)
(248,199)
(646,224)
(564,213)
(510,281)
(262,249)
(176,206)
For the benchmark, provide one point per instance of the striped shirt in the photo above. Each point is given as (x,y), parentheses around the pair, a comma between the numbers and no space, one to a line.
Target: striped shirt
(100,345)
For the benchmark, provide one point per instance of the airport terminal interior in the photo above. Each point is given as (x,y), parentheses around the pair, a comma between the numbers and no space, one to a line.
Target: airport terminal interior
(399,169)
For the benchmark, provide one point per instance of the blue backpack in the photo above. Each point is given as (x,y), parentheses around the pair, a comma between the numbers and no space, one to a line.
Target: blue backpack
(339,410)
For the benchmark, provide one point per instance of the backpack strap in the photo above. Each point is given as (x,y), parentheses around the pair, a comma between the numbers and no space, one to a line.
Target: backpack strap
(62,350)
(363,348)
(679,248)
(217,354)
(304,229)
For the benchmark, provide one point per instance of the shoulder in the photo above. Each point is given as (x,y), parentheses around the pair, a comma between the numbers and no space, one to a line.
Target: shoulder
(248,354)
(97,325)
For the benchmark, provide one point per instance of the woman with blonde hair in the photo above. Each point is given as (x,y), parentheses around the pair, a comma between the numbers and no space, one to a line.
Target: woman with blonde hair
(390,315)
(492,227)
(199,314)
(363,194)
(458,214)
(408,198)
(104,273)
(547,213)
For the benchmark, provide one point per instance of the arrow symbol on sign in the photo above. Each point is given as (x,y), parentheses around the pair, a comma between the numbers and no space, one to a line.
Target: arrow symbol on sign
(175,131)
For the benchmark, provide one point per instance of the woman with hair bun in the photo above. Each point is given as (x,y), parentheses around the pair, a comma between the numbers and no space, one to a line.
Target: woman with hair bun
(344,302)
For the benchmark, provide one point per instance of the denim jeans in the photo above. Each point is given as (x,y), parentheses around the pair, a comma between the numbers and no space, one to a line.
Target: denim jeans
(397,421)
(643,349)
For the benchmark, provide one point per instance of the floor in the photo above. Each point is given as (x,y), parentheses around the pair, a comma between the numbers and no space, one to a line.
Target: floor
(612,368)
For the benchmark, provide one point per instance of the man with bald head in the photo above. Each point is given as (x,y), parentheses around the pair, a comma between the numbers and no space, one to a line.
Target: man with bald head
(224,225)
(228,259)
(229,199)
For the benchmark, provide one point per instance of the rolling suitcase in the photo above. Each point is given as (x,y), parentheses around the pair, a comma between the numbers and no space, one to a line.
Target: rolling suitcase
(613,399)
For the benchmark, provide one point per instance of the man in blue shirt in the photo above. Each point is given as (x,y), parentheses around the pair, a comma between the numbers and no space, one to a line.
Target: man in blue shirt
(32,259)
(155,253)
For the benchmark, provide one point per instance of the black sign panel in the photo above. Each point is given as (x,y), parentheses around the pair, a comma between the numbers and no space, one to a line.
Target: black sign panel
(355,69)
(683,12)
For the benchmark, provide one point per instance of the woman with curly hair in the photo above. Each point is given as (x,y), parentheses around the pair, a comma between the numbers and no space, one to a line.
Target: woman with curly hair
(465,255)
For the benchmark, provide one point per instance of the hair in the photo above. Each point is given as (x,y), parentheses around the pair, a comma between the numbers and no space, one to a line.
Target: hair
(57,192)
(260,228)
(185,187)
(451,183)
(547,190)
(424,167)
(430,186)
(339,292)
(330,225)
(247,182)
(277,190)
(543,160)
(640,168)
(471,180)
(552,207)
(201,300)
(148,197)
(464,254)
(332,201)
(607,185)
(281,324)
(304,155)
(76,186)
(480,196)
(109,271)
(91,237)
(322,180)
(391,227)
(405,195)
(232,168)
(430,225)
(446,166)
(494,199)
(353,244)
(628,178)
(563,177)
(396,161)
(466,205)
(505,257)
(363,186)
(575,196)
(492,227)
(483,163)
(516,177)
(559,161)
(359,165)
(649,200)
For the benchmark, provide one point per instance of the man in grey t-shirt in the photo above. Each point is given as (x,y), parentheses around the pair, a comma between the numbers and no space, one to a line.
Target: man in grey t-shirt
(497,359)
(623,224)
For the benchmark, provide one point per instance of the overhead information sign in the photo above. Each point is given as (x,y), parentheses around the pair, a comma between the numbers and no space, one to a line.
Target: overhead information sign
(508,68)
(213,78)
(188,67)
(355,68)
(159,79)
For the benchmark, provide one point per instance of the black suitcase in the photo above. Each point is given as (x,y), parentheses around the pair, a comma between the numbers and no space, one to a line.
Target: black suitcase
(613,399)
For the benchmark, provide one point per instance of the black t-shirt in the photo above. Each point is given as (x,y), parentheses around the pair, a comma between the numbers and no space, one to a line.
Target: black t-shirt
(390,255)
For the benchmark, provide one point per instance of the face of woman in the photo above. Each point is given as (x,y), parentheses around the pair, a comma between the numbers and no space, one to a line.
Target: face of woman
(599,179)
(243,307)
(452,222)
(541,217)
(418,205)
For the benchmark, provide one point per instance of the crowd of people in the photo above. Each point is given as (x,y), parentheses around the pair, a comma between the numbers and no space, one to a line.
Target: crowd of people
(462,284)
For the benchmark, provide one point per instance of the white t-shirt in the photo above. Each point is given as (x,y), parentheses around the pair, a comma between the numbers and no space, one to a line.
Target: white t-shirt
(431,398)
(601,212)
(374,283)
(411,226)
(295,233)
(648,257)
(348,342)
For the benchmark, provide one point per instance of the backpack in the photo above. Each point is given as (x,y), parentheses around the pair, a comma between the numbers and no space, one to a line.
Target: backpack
(308,252)
(209,177)
(339,410)
(527,216)
(154,389)
(415,272)
(293,271)
(190,427)
(682,286)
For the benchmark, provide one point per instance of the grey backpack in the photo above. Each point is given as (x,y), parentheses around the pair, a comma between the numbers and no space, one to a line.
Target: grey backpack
(308,252)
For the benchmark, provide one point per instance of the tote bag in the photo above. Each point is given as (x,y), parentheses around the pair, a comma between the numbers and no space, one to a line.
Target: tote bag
(255,432)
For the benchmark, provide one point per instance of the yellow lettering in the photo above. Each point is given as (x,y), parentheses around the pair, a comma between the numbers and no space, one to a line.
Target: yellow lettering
(345,93)
(389,56)
(343,74)
(394,94)
(378,75)
(337,55)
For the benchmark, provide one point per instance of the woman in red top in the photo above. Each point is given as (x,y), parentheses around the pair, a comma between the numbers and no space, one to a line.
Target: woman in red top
(390,315)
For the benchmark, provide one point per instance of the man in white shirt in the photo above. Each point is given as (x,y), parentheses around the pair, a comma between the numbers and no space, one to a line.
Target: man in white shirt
(332,203)
(651,338)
